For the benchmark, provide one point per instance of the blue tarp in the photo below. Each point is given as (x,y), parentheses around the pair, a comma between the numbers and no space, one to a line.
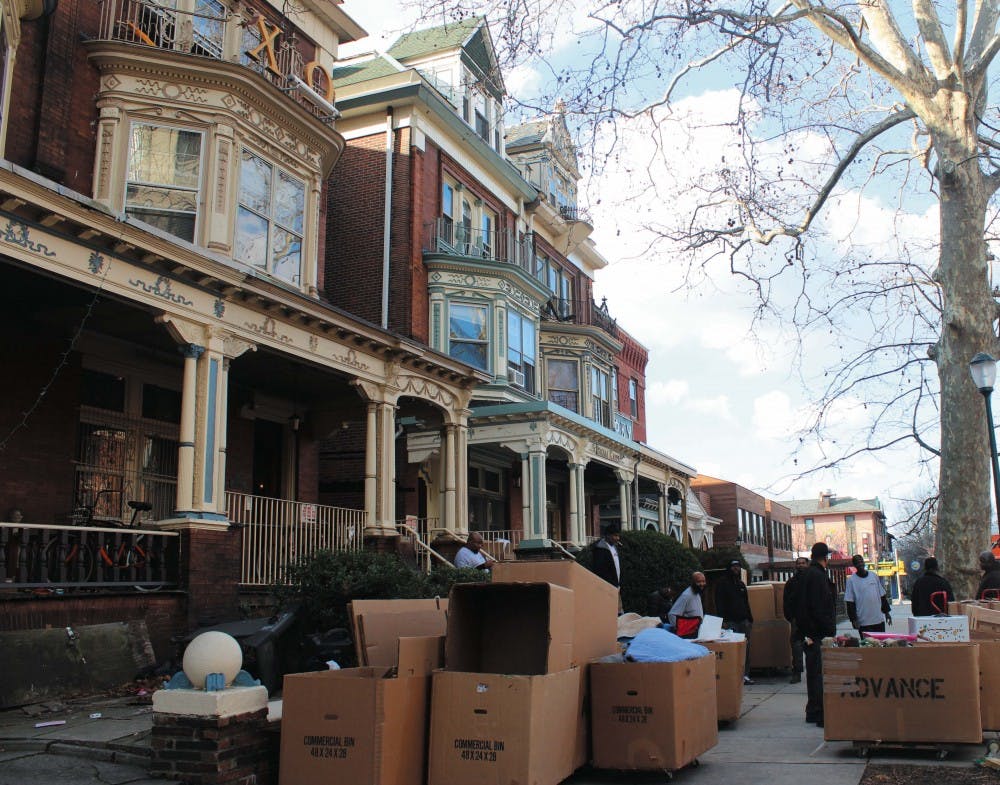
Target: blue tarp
(658,645)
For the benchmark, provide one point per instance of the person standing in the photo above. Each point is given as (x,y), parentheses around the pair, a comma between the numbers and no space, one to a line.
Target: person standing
(867,606)
(927,585)
(790,601)
(991,575)
(687,612)
(606,564)
(732,603)
(816,618)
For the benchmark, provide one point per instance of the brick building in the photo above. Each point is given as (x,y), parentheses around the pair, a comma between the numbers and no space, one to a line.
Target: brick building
(167,341)
(467,237)
(761,527)
(848,525)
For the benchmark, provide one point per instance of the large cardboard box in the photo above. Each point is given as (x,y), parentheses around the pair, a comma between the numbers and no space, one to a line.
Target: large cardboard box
(490,728)
(595,621)
(984,620)
(940,629)
(925,693)
(652,716)
(989,683)
(595,602)
(770,645)
(359,725)
(379,624)
(761,596)
(729,659)
(513,628)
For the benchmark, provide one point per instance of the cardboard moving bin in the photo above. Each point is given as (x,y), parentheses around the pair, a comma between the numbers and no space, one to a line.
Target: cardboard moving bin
(729,659)
(490,728)
(518,628)
(770,645)
(925,693)
(378,624)
(652,716)
(761,597)
(359,725)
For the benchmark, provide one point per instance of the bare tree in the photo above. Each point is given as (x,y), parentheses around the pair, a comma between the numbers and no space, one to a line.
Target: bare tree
(833,99)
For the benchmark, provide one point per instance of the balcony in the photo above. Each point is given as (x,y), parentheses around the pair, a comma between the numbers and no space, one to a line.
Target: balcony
(573,213)
(498,245)
(213,32)
(584,312)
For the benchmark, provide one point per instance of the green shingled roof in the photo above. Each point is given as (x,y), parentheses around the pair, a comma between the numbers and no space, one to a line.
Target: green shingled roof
(527,133)
(362,71)
(434,39)
(838,504)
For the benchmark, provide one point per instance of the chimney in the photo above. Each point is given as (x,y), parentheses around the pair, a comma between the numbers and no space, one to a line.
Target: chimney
(826,499)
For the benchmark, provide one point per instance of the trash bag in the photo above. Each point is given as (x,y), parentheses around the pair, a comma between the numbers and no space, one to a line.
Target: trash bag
(658,645)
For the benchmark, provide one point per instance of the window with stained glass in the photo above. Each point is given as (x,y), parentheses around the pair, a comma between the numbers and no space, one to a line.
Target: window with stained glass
(270,218)
(468,335)
(164,175)
(563,377)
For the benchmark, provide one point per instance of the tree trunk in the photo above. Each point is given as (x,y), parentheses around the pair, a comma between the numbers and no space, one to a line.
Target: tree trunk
(964,510)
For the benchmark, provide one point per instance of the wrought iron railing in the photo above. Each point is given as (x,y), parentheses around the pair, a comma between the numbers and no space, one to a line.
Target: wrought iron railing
(446,236)
(208,32)
(573,213)
(57,558)
(583,311)
(277,533)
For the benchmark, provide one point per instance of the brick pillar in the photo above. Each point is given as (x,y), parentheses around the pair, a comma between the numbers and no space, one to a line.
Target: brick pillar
(210,571)
(213,738)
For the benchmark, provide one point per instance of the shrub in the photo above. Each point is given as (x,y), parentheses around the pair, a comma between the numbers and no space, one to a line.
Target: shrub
(325,582)
(649,561)
(715,559)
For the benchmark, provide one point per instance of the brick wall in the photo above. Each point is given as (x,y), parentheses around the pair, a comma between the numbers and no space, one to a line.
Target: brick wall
(54,88)
(211,562)
(631,364)
(164,614)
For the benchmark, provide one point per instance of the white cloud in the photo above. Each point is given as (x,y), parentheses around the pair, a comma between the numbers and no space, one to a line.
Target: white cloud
(667,393)
(716,406)
(774,417)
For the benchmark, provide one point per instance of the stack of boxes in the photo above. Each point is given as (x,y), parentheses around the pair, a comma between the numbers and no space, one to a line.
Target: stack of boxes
(516,696)
(770,646)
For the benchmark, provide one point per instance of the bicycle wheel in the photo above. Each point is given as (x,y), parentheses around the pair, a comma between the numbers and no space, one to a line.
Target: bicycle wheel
(67,562)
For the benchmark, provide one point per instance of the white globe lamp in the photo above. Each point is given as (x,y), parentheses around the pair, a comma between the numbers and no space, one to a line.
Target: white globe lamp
(212,652)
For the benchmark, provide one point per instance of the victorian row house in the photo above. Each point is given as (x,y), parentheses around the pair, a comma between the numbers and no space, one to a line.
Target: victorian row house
(289,301)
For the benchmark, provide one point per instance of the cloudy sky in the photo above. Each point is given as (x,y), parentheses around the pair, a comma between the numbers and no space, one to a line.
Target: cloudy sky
(724,394)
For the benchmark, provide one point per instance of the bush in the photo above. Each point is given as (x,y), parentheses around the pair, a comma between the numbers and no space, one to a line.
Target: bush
(649,561)
(715,559)
(326,581)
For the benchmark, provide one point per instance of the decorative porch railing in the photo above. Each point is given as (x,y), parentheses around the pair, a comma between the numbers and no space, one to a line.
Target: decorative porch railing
(501,543)
(277,533)
(43,557)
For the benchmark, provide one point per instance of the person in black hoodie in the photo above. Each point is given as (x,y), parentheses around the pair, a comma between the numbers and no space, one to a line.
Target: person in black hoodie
(816,617)
(790,604)
(732,603)
(991,576)
(926,586)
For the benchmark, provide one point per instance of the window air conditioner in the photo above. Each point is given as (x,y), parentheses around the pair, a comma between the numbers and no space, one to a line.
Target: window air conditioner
(516,377)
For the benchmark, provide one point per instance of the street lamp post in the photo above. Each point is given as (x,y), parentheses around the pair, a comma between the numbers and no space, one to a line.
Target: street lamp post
(984,374)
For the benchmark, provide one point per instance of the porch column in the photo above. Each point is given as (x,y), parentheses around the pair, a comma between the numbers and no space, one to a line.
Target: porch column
(663,510)
(462,478)
(185,451)
(577,515)
(450,521)
(387,467)
(371,464)
(623,500)
(684,516)
(581,503)
(525,497)
(210,417)
(539,525)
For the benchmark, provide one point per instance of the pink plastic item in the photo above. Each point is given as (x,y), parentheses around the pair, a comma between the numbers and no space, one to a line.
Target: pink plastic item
(889,636)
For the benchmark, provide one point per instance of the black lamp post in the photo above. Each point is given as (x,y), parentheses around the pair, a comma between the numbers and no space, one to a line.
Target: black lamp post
(984,374)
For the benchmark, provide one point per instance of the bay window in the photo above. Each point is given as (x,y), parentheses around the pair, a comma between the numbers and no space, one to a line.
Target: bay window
(468,336)
(564,383)
(600,391)
(164,178)
(269,219)
(521,350)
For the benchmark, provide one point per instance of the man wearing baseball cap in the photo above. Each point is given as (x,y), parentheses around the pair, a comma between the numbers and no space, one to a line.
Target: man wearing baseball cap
(816,618)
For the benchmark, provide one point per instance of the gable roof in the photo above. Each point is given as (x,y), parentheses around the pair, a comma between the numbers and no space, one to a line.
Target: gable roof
(361,70)
(531,132)
(435,39)
(838,505)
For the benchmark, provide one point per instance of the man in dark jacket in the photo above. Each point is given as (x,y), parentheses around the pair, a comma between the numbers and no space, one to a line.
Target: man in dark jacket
(816,617)
(927,585)
(606,564)
(790,601)
(733,604)
(991,576)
